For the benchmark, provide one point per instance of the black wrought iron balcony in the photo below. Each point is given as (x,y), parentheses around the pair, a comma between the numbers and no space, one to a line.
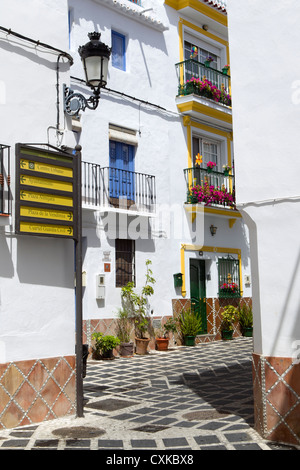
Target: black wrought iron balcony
(107,187)
(202,80)
(5,191)
(212,188)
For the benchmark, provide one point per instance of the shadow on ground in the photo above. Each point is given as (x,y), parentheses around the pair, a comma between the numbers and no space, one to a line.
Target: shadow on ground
(227,389)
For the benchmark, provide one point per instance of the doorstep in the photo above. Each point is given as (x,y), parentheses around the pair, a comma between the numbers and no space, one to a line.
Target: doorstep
(206,338)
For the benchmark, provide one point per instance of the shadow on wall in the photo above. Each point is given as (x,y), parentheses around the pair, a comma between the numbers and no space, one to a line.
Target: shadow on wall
(45,261)
(290,310)
(6,265)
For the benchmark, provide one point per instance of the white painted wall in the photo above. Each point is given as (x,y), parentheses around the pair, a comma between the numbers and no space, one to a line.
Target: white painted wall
(37,312)
(161,151)
(265,70)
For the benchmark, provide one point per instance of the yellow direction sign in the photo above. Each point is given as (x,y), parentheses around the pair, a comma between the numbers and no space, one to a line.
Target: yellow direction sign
(39,213)
(46,168)
(46,229)
(46,200)
(46,183)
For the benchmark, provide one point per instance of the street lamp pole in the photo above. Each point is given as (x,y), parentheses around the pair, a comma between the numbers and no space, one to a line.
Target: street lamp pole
(95,57)
(78,291)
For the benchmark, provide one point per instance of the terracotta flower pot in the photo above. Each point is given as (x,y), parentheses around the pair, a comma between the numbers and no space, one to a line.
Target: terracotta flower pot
(141,345)
(162,344)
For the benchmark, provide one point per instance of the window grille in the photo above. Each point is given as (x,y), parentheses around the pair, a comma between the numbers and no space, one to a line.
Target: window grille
(125,262)
(229,277)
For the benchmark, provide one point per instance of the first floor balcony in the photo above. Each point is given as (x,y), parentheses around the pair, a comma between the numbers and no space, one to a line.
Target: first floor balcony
(106,188)
(210,187)
(197,78)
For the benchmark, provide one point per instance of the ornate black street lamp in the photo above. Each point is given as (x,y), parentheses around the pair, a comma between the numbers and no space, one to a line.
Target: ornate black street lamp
(95,57)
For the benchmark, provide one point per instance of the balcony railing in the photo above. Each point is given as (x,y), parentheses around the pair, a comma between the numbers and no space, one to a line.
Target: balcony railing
(5,192)
(105,187)
(210,188)
(196,78)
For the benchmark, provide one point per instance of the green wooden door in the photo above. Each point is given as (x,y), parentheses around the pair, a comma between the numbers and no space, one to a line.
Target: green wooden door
(198,291)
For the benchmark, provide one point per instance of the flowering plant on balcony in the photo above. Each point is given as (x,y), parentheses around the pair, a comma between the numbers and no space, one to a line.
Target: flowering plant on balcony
(211,165)
(229,288)
(227,167)
(205,88)
(209,59)
(210,194)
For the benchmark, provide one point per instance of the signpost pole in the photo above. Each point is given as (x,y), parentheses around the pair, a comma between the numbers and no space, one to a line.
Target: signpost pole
(78,268)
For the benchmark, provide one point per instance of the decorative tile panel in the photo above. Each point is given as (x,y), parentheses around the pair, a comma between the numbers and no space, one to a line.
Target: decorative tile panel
(36,390)
(276,385)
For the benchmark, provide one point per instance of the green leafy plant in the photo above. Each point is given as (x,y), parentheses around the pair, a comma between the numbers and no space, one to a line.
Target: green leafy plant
(104,343)
(189,323)
(229,316)
(137,304)
(245,316)
(169,326)
(124,325)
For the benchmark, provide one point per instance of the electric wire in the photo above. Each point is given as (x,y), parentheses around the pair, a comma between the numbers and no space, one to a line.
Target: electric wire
(38,43)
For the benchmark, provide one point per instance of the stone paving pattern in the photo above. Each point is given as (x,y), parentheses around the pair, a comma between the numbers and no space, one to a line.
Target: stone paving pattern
(189,398)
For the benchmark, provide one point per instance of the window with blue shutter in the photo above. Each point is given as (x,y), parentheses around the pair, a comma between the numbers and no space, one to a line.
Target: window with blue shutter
(118,42)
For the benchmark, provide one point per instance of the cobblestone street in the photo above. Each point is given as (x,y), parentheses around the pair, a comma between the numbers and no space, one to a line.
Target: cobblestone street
(189,398)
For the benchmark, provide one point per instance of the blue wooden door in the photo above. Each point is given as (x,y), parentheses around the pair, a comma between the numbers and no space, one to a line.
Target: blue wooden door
(121,171)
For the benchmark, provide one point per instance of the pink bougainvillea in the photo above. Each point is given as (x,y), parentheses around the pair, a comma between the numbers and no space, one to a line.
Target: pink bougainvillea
(210,194)
(205,88)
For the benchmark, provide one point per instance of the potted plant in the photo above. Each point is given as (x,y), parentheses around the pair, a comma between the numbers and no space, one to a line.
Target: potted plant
(225,69)
(226,170)
(207,61)
(104,345)
(210,166)
(137,305)
(190,325)
(124,326)
(245,317)
(229,316)
(162,336)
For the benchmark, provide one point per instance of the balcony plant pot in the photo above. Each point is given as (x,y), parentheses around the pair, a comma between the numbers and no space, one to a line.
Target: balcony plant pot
(207,63)
(189,340)
(141,345)
(209,170)
(162,344)
(226,172)
(225,71)
(126,349)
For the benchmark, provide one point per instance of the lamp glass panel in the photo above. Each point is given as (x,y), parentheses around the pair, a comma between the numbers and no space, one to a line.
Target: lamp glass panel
(93,70)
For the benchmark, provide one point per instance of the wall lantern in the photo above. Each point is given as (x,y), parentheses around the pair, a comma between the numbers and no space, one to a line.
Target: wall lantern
(95,57)
(213,230)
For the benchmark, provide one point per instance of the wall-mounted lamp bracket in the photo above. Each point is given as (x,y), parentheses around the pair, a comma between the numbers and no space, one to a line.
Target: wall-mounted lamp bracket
(75,102)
